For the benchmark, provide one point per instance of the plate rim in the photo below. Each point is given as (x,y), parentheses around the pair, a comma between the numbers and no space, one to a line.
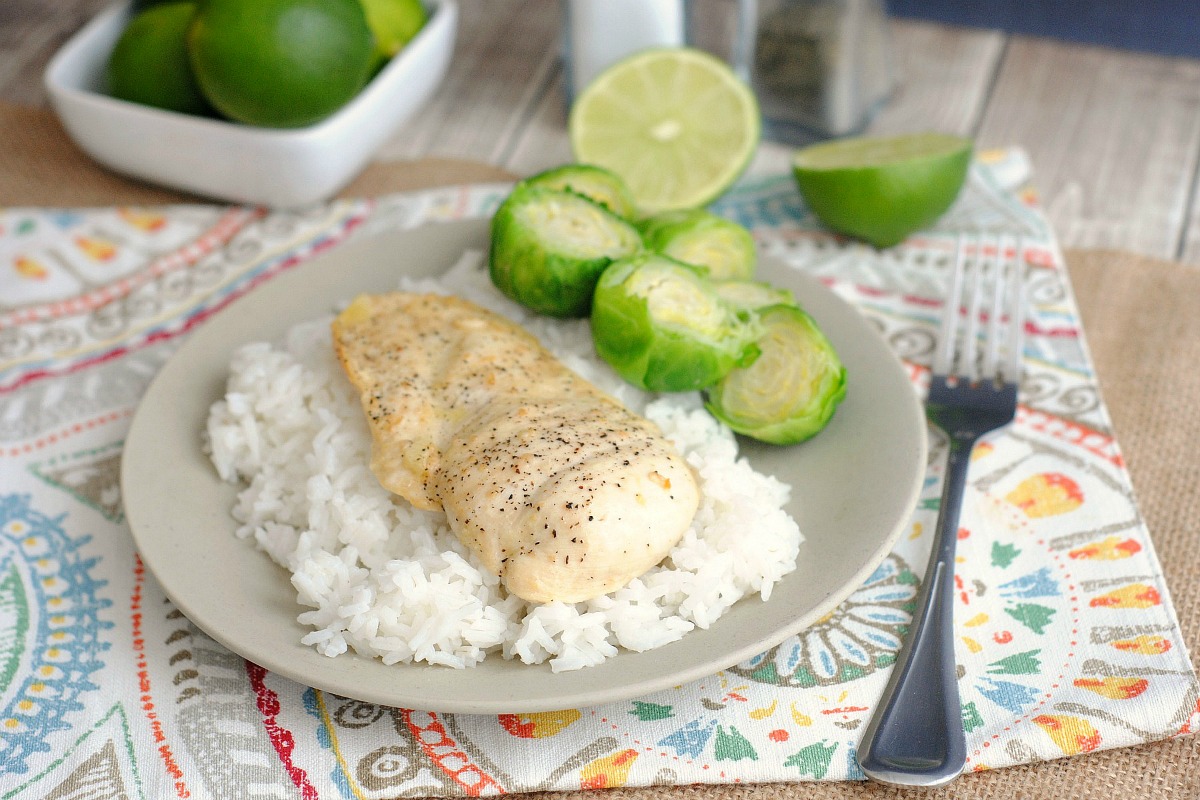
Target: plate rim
(501,702)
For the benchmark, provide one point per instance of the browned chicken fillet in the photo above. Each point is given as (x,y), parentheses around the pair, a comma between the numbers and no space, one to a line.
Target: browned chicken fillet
(557,487)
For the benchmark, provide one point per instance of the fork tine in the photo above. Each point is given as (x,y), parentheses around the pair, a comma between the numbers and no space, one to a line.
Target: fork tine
(943,356)
(967,364)
(991,350)
(1016,324)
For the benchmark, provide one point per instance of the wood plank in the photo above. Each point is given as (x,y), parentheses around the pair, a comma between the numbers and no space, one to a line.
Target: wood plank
(945,74)
(543,142)
(31,31)
(1113,137)
(505,55)
(1189,246)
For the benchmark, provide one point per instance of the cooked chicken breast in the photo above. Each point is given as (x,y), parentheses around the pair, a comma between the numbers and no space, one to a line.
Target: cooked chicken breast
(558,488)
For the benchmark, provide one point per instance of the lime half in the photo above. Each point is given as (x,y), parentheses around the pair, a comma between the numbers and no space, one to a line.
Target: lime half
(675,123)
(882,189)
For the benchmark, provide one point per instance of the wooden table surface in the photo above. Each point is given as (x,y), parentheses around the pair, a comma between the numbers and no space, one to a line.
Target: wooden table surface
(1114,136)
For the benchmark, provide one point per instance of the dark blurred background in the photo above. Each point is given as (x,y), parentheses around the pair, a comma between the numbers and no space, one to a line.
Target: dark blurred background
(1168,27)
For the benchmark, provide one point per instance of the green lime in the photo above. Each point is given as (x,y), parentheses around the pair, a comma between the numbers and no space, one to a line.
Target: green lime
(149,64)
(882,189)
(675,123)
(280,63)
(393,23)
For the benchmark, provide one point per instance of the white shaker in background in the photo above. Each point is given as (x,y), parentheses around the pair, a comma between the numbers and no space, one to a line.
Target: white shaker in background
(597,33)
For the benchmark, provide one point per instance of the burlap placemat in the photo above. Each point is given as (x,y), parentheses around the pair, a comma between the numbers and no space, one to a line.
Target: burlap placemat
(1144,333)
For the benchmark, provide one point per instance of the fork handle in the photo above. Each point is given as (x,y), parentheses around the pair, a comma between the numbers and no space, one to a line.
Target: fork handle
(916,736)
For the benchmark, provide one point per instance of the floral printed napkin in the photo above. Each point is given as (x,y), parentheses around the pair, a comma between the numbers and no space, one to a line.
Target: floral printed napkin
(1067,642)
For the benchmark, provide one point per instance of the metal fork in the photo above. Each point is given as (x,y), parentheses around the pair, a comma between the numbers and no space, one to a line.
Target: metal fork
(916,736)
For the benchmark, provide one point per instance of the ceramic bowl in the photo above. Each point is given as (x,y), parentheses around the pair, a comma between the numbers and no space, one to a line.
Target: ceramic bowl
(229,161)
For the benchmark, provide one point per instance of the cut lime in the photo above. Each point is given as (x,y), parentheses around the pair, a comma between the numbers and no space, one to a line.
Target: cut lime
(882,189)
(675,123)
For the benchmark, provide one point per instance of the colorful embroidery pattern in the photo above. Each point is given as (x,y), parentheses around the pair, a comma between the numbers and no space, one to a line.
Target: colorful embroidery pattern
(859,637)
(51,631)
(1066,641)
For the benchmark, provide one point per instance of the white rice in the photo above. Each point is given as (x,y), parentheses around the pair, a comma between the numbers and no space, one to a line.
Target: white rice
(393,582)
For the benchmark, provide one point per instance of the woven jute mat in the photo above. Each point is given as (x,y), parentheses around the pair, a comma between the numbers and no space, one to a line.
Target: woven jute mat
(1142,321)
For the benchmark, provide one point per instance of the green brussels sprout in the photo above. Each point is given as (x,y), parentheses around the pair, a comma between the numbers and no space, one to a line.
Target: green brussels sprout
(549,248)
(661,325)
(753,295)
(595,183)
(791,390)
(695,236)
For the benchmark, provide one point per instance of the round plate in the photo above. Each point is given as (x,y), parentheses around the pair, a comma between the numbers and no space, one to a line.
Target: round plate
(853,489)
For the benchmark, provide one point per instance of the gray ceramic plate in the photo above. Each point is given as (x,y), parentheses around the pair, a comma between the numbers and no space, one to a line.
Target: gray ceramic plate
(854,487)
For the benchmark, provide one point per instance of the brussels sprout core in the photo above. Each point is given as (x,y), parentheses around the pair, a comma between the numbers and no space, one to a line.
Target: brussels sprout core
(791,391)
(661,325)
(694,236)
(595,183)
(549,248)
(672,299)
(753,295)
(573,228)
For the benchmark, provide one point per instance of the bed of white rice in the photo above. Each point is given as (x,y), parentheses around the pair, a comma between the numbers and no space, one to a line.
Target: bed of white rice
(390,581)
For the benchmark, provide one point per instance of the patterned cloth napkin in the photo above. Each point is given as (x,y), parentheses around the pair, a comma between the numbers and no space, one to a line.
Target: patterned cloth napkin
(1066,639)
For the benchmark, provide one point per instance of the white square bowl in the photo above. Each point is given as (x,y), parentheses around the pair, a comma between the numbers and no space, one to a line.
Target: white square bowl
(279,167)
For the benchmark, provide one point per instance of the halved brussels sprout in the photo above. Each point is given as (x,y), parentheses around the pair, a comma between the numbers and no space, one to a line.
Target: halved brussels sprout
(791,390)
(753,295)
(549,248)
(695,236)
(595,183)
(661,325)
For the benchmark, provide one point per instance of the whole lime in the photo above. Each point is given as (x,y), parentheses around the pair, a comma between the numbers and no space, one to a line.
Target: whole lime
(394,23)
(149,63)
(280,63)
